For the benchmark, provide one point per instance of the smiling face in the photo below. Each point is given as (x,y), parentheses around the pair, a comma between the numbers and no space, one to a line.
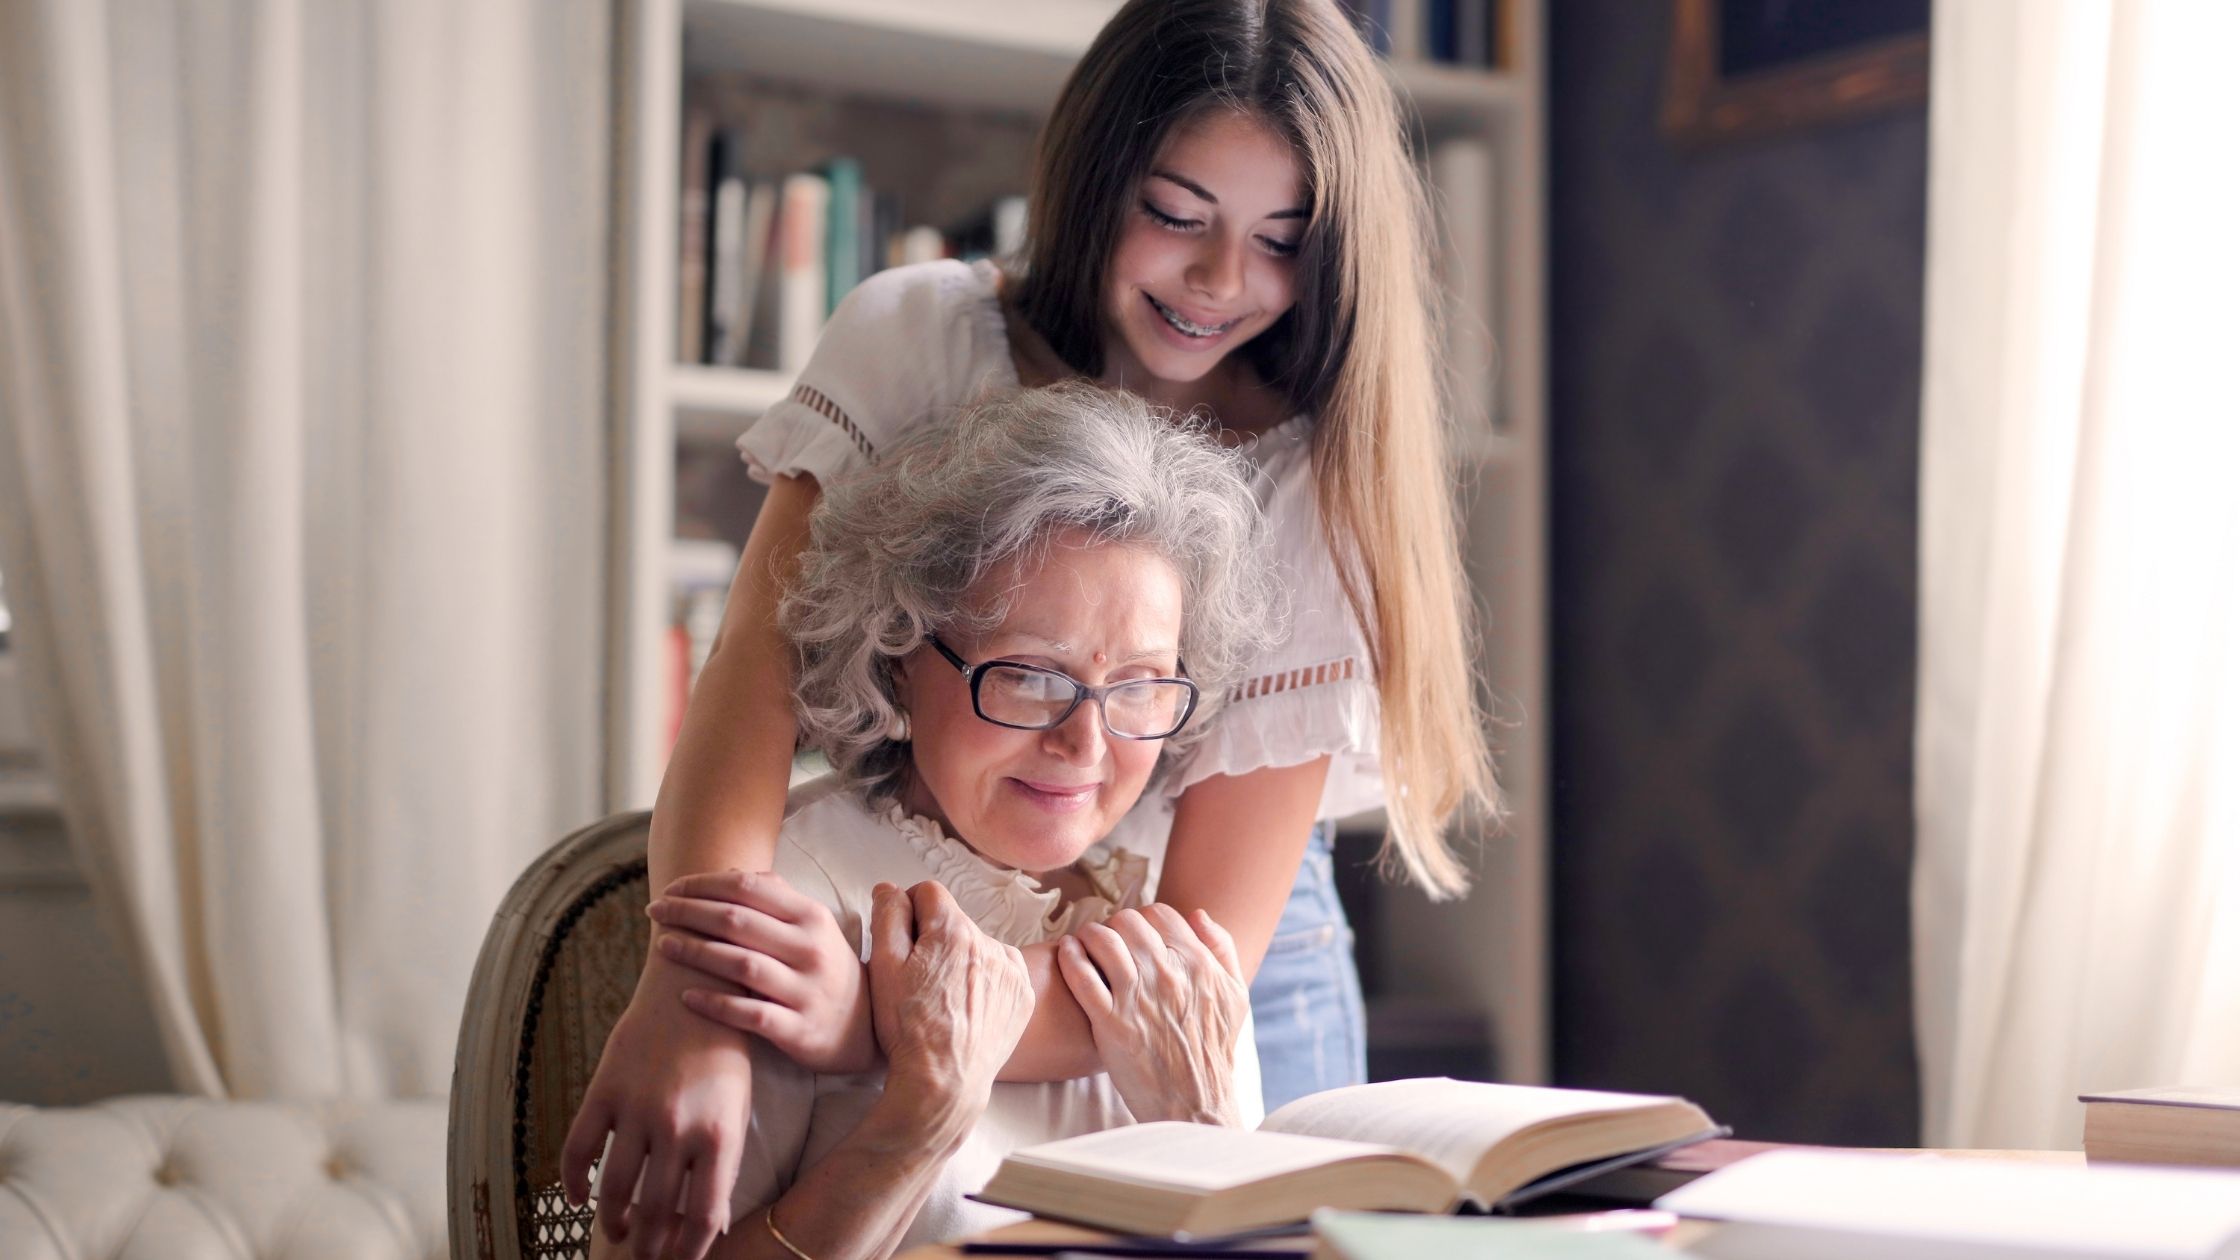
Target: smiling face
(1204,262)
(1036,800)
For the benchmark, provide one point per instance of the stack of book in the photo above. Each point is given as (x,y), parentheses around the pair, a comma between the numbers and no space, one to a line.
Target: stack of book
(1449,32)
(763,258)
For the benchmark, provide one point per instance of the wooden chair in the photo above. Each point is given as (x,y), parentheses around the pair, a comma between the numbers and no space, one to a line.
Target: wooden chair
(556,971)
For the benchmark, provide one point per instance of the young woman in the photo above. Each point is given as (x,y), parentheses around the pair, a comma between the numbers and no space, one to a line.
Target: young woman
(1224,218)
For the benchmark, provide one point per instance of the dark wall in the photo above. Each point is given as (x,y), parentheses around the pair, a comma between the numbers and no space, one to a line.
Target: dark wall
(1736,352)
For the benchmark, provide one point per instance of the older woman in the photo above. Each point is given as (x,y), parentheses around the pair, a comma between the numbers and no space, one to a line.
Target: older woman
(1001,628)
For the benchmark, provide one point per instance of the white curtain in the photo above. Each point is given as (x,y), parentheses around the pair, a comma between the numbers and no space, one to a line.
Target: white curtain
(2077,882)
(301,367)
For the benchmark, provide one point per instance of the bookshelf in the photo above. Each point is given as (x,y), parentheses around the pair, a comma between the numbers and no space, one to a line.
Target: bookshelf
(1480,133)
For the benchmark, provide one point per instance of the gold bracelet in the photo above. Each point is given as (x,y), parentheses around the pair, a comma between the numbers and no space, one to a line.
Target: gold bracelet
(770,1222)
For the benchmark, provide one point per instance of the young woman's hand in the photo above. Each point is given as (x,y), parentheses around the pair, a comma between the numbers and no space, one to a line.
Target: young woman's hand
(805,991)
(948,1000)
(1166,998)
(673,1090)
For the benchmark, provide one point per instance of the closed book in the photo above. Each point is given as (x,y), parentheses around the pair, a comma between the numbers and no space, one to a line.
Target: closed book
(2166,1124)
(727,301)
(1473,32)
(843,243)
(1406,18)
(803,203)
(1826,1205)
(1427,1145)
(1464,169)
(1439,30)
(754,263)
(693,169)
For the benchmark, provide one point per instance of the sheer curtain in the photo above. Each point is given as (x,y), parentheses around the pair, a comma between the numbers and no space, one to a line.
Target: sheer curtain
(301,368)
(2077,882)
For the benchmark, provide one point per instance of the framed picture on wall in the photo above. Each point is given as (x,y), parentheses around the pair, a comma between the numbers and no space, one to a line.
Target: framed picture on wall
(1753,67)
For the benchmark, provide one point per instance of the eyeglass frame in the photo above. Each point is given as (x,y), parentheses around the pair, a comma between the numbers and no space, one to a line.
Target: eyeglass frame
(1081,691)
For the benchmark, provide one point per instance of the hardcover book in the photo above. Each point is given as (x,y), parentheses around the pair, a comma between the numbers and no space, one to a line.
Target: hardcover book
(2168,1124)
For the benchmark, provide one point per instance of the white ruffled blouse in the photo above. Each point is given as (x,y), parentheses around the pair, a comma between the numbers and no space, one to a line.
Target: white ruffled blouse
(924,340)
(834,849)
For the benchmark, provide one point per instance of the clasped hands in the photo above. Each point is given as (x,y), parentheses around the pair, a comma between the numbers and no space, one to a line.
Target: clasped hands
(1164,993)
(940,1001)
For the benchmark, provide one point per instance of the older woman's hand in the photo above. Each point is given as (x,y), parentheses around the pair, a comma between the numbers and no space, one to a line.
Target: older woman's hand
(1166,998)
(948,1001)
(805,991)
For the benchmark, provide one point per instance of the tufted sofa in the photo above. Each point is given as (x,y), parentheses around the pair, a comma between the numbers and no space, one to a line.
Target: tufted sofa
(171,1178)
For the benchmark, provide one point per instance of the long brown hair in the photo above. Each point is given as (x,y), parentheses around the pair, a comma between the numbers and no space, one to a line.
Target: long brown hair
(1355,351)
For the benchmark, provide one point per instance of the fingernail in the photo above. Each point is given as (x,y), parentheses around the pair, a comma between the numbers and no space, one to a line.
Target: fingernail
(669,945)
(660,909)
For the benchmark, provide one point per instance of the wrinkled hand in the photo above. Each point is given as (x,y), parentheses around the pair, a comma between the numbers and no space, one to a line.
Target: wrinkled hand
(673,1089)
(805,988)
(1165,998)
(948,1000)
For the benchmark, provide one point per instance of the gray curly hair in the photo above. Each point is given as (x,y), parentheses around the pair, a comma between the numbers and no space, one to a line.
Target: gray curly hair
(896,550)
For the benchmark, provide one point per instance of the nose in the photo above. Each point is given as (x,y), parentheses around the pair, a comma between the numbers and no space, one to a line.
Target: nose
(1079,740)
(1218,270)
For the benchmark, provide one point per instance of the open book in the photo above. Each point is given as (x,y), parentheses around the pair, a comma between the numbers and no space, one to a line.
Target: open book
(1421,1145)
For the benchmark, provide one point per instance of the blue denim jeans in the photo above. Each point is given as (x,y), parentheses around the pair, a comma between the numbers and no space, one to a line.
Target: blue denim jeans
(1306,1001)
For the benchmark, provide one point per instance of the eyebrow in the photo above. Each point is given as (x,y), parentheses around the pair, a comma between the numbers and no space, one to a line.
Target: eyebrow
(1059,647)
(1202,193)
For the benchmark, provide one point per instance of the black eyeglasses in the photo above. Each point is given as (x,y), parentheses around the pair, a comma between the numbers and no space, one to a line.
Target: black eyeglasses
(1031,698)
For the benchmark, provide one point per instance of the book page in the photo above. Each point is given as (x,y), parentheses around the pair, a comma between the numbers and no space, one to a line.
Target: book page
(1451,1123)
(1197,1157)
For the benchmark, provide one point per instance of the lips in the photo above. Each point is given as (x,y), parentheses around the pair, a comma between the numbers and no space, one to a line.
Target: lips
(1189,327)
(1056,796)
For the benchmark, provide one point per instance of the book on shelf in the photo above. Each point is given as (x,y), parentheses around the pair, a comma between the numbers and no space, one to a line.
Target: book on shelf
(699,129)
(1448,32)
(2165,1124)
(1831,1205)
(763,259)
(843,252)
(738,252)
(1423,1145)
(801,272)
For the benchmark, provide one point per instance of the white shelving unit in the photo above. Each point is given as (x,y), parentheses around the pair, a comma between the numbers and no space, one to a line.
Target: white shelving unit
(1481,134)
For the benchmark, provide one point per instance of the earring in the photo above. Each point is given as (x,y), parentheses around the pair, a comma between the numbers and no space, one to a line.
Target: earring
(898,730)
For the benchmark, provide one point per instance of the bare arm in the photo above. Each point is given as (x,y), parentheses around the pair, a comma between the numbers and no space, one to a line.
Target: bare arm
(725,790)
(1234,854)
(949,1003)
(858,1199)
(671,1089)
